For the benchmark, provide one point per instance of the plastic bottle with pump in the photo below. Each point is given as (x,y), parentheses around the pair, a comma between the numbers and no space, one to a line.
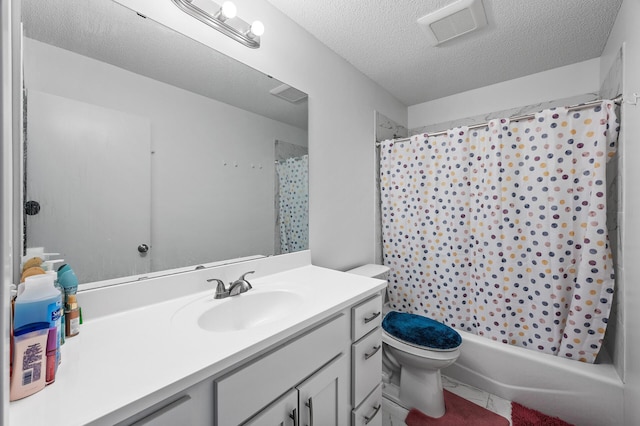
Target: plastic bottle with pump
(41,302)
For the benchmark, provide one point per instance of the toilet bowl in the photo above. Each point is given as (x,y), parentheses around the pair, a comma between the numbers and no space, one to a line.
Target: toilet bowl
(417,348)
(419,367)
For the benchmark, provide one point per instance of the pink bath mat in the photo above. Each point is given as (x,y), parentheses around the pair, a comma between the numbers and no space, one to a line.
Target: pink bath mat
(460,412)
(523,416)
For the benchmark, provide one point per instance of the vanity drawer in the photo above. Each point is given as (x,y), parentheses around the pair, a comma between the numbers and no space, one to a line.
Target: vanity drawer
(370,411)
(245,391)
(366,358)
(366,316)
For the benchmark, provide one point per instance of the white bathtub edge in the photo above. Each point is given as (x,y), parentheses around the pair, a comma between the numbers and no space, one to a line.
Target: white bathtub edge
(579,393)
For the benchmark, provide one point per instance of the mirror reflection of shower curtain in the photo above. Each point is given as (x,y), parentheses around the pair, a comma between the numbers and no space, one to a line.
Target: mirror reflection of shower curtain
(293,200)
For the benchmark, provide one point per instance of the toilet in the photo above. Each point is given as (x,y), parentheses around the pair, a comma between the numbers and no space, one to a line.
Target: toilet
(417,348)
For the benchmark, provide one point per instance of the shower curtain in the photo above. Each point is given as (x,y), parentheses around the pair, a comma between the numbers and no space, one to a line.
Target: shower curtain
(293,211)
(501,231)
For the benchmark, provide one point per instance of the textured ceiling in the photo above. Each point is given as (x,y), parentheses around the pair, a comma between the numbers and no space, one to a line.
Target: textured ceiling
(383,41)
(111,33)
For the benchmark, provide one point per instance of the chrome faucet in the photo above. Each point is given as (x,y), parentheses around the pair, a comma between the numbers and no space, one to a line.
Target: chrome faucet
(241,285)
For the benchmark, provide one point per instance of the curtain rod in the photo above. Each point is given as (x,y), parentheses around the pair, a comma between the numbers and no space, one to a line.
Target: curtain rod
(291,158)
(617,100)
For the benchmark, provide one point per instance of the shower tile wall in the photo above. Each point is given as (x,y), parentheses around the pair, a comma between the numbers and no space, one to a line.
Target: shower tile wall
(385,129)
(284,150)
(614,340)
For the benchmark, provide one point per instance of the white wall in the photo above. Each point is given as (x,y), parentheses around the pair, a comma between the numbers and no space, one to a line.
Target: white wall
(626,32)
(342,102)
(190,185)
(564,82)
(6,199)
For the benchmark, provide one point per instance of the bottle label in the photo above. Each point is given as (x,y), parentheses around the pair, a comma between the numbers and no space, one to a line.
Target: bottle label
(32,364)
(74,326)
(55,312)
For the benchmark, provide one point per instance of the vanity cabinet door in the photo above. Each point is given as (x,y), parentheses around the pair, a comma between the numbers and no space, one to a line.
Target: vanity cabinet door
(242,393)
(324,396)
(283,412)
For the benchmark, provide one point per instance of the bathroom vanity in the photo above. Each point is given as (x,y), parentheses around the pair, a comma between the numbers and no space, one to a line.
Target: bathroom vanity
(304,343)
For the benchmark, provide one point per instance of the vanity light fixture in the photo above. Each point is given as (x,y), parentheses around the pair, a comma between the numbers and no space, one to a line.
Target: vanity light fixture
(226,11)
(223,18)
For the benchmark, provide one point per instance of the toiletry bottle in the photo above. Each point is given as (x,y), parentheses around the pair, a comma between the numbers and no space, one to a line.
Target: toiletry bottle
(56,284)
(30,343)
(69,282)
(40,302)
(72,315)
(52,358)
(14,293)
(30,271)
(32,262)
(67,279)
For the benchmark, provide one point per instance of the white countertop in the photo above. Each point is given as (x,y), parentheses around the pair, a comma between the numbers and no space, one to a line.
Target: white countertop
(122,363)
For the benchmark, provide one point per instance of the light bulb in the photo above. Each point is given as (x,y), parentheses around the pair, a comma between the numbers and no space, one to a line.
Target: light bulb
(227,11)
(256,30)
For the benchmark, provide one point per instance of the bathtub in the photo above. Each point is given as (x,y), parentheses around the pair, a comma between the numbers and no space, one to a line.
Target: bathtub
(579,393)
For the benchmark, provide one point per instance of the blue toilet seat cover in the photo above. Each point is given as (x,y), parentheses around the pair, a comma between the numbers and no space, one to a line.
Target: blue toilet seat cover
(421,331)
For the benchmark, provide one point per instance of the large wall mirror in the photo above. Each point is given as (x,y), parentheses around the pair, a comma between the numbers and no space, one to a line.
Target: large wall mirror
(146,151)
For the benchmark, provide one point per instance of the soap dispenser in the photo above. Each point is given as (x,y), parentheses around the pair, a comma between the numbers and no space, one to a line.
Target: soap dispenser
(40,302)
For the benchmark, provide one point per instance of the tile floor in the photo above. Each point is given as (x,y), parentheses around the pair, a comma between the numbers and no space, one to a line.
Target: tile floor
(393,414)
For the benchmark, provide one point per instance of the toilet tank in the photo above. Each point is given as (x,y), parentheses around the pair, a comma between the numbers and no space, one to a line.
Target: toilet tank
(372,271)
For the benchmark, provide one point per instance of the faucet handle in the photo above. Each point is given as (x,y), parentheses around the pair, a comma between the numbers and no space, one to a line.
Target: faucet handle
(242,278)
(241,285)
(221,291)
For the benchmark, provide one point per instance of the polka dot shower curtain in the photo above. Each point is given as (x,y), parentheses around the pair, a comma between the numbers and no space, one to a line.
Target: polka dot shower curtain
(293,211)
(501,231)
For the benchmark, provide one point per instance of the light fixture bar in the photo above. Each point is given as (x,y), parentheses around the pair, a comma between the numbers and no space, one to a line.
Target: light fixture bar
(240,36)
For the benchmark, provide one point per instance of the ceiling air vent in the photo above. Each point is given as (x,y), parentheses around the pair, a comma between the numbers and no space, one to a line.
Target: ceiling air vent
(453,20)
(288,93)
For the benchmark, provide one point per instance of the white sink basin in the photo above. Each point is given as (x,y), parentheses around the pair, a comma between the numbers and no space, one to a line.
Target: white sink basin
(241,312)
(248,310)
